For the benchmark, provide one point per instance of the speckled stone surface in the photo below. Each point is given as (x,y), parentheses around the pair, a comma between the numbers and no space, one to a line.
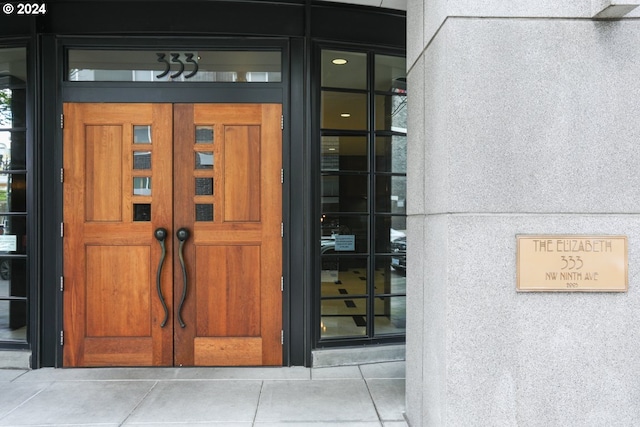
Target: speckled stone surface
(416,146)
(435,12)
(416,250)
(15,359)
(521,121)
(416,28)
(537,359)
(521,8)
(493,356)
(530,126)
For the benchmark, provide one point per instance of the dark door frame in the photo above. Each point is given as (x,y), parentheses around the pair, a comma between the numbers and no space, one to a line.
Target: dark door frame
(290,93)
(293,24)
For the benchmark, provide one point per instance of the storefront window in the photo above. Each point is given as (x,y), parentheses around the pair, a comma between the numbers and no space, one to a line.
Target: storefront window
(174,66)
(363,125)
(13,187)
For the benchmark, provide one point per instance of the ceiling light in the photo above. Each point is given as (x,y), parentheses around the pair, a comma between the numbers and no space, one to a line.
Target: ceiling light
(345,115)
(339,61)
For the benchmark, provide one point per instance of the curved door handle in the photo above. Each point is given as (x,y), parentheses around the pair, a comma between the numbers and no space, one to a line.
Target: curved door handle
(161,234)
(182,235)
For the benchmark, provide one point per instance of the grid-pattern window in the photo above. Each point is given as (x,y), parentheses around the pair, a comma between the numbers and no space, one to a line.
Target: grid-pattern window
(362,195)
(13,197)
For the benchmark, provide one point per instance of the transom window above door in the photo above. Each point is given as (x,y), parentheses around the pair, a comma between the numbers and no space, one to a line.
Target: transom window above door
(174,65)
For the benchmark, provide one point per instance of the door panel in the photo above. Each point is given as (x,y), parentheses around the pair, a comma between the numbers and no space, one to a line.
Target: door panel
(104,158)
(234,311)
(213,170)
(228,351)
(111,311)
(106,293)
(242,173)
(229,305)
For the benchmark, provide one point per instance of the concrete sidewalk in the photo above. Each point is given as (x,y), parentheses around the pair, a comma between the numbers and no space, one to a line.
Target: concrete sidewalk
(369,395)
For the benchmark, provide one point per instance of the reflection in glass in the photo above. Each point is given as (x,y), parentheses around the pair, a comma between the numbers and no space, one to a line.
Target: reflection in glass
(391,154)
(343,317)
(164,66)
(344,193)
(389,229)
(391,73)
(342,69)
(342,276)
(13,77)
(6,114)
(204,186)
(203,160)
(391,113)
(142,185)
(390,315)
(391,194)
(142,212)
(13,320)
(13,150)
(390,275)
(204,134)
(13,198)
(13,119)
(343,110)
(142,159)
(344,153)
(11,102)
(141,134)
(347,225)
(13,194)
(204,212)
(9,266)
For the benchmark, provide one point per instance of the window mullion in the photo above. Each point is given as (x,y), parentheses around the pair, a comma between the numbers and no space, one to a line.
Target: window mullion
(372,193)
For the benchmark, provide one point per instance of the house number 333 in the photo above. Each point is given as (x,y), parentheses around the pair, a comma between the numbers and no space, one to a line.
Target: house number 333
(176,59)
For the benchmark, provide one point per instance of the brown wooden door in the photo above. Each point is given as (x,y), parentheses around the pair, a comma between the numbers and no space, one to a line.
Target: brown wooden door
(212,170)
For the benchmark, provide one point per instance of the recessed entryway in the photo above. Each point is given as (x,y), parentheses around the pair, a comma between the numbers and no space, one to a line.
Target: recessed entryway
(172,234)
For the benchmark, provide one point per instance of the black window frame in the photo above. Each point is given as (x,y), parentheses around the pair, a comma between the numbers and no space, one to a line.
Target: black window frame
(175,92)
(31,215)
(370,338)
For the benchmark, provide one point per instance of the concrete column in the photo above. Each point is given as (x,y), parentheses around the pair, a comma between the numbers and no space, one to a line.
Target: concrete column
(524,118)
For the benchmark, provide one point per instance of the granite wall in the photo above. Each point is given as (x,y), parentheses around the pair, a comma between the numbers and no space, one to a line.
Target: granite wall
(524,118)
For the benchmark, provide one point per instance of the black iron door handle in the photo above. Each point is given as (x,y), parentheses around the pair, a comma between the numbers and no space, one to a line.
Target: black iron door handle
(182,235)
(161,234)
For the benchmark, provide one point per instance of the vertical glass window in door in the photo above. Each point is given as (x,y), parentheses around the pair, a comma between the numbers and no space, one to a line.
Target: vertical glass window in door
(362,196)
(142,145)
(204,169)
(13,197)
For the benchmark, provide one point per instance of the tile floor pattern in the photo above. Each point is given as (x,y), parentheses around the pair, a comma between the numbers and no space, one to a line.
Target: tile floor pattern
(345,312)
(350,396)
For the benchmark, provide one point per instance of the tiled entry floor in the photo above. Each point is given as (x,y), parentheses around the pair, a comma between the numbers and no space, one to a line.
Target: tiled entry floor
(351,396)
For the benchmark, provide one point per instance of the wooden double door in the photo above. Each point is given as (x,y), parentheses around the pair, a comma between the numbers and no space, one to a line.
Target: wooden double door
(172,234)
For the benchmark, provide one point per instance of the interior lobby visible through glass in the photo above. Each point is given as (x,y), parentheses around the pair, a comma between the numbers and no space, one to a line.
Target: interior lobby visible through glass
(363,157)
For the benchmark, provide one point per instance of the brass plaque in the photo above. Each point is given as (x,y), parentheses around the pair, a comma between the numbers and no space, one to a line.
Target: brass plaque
(572,263)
